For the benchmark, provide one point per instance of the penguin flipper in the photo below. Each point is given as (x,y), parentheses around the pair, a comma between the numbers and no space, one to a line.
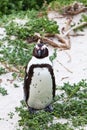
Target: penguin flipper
(53,79)
(27,81)
(26,88)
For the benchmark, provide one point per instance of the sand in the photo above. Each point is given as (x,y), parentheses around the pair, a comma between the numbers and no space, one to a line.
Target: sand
(69,66)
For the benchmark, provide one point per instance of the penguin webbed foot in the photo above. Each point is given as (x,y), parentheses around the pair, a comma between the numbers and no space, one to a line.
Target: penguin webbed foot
(32,110)
(49,108)
(35,111)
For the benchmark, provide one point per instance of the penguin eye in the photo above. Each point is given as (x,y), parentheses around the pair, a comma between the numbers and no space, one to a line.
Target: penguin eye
(40,52)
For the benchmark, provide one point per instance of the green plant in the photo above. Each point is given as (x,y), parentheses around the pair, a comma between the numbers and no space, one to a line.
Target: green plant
(3,91)
(10,6)
(84,18)
(53,56)
(38,121)
(14,75)
(40,25)
(11,114)
(74,90)
(57,4)
(74,110)
(2,70)
(16,86)
(16,54)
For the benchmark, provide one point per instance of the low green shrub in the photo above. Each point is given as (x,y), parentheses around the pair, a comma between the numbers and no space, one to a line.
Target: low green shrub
(9,6)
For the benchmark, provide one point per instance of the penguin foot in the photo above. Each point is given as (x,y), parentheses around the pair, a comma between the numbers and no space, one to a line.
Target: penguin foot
(49,108)
(32,110)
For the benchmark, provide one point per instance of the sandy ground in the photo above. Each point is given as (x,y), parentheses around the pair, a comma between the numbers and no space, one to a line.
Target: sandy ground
(69,66)
(74,60)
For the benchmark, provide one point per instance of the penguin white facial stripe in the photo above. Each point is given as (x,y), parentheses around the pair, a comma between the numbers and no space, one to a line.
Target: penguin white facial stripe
(38,61)
(43,47)
(37,47)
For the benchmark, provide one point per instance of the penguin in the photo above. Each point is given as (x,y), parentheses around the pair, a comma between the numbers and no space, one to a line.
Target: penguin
(39,81)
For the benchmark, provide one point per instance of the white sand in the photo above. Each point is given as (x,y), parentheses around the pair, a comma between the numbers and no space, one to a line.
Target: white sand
(77,66)
(74,59)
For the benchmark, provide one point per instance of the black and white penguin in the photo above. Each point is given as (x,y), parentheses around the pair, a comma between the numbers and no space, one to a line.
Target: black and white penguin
(39,81)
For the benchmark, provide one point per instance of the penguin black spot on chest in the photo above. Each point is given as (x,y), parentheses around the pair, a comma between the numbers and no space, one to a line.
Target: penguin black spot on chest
(39,74)
(38,91)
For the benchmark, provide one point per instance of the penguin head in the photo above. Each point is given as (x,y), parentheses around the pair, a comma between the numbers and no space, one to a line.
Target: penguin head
(40,51)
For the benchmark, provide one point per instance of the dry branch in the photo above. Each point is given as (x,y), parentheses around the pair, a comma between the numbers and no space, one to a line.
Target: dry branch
(60,38)
(64,43)
(46,40)
(13,69)
(69,60)
(75,35)
(64,40)
(68,23)
(9,67)
(75,27)
(74,9)
(75,12)
(64,66)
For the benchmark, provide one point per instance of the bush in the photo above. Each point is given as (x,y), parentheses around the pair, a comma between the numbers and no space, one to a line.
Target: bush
(9,6)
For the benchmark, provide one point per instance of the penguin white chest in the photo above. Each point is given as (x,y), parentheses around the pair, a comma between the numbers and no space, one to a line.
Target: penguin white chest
(40,92)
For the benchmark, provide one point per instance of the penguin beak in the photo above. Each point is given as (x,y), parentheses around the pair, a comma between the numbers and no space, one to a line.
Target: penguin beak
(39,53)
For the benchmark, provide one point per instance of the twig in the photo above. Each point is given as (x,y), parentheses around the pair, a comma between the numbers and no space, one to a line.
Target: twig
(49,35)
(13,69)
(74,9)
(64,78)
(64,66)
(68,56)
(69,20)
(10,68)
(46,40)
(75,35)
(60,38)
(75,27)
(77,12)
(64,44)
